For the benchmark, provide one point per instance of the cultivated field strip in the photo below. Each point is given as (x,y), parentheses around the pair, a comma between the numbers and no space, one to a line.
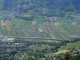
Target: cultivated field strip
(24,28)
(62,32)
(58,35)
(49,31)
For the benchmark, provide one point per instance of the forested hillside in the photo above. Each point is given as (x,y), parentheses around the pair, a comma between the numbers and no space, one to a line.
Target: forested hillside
(41,5)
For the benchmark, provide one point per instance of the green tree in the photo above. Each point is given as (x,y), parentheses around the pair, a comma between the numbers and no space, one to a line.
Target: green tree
(67,57)
(77,57)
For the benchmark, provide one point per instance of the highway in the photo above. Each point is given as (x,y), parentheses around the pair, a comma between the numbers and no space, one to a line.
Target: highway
(40,38)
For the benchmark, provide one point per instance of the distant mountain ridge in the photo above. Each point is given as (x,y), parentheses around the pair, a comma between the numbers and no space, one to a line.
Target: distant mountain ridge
(39,5)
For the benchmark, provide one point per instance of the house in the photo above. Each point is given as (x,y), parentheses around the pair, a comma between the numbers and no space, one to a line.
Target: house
(40,30)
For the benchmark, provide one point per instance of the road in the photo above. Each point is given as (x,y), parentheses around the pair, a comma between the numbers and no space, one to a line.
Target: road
(40,38)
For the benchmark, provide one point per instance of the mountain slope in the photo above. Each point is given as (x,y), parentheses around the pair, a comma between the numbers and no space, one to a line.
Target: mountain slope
(38,5)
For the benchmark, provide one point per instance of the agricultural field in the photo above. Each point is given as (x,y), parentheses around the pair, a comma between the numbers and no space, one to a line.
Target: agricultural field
(56,27)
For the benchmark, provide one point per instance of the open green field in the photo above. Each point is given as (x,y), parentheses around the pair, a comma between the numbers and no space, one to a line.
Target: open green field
(41,47)
(59,27)
(70,45)
(26,57)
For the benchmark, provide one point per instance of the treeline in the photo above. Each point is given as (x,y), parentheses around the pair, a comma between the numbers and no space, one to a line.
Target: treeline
(25,18)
